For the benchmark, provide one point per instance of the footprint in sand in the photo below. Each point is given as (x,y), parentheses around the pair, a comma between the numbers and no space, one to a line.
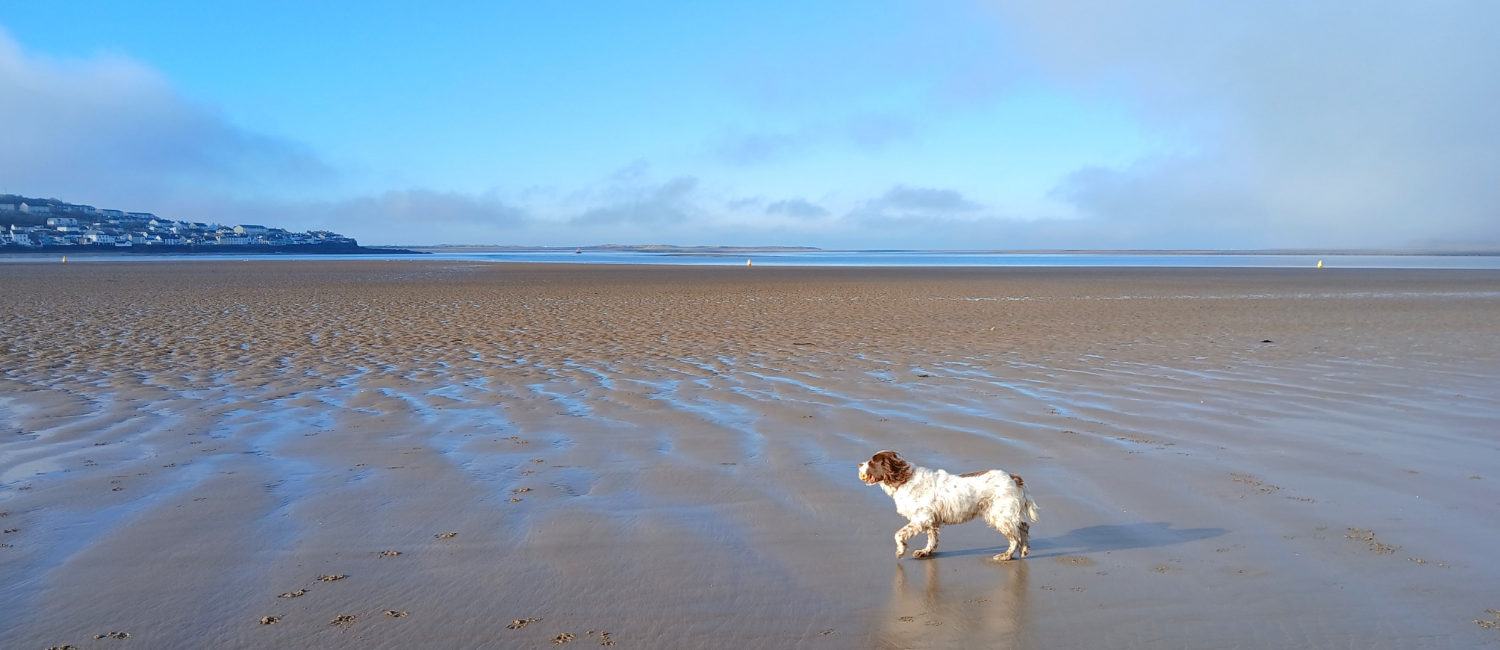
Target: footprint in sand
(332,578)
(521,622)
(112,635)
(446,536)
(389,553)
(269,620)
(515,499)
(293,594)
(395,614)
(343,622)
(562,638)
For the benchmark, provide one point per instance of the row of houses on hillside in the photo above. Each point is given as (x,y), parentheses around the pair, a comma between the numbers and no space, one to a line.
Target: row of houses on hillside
(82,225)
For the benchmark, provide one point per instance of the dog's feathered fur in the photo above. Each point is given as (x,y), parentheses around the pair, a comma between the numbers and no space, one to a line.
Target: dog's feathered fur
(932,497)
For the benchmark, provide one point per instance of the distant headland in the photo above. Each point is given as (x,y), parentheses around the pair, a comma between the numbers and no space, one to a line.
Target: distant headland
(29,225)
(665,249)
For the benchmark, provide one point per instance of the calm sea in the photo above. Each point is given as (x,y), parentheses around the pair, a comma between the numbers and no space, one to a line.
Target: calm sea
(880,258)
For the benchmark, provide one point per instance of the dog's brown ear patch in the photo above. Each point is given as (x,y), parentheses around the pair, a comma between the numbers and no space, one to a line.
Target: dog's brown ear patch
(1017,479)
(894,472)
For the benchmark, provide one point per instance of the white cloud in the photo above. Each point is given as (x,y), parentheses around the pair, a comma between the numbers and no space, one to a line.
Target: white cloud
(799,208)
(111,131)
(916,205)
(669,203)
(1336,123)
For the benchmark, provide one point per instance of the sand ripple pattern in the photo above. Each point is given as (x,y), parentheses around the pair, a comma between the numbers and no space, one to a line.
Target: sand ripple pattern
(667,454)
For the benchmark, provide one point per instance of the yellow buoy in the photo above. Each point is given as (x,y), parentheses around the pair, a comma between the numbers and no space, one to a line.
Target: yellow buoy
(747,263)
(1320,264)
(65,259)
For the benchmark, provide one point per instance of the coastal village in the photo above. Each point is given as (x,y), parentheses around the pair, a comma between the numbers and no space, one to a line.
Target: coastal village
(35,224)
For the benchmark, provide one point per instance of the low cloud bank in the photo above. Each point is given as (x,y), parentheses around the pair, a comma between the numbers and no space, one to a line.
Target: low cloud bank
(110,131)
(1336,123)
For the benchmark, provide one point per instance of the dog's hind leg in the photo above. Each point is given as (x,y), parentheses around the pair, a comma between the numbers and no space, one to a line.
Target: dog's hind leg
(1025,539)
(1009,552)
(1008,529)
(932,534)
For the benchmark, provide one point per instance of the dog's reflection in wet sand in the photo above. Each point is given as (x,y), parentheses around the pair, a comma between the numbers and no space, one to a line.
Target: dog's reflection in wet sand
(960,605)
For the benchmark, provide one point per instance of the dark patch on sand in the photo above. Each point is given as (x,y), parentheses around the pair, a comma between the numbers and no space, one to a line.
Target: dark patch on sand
(1368,537)
(1489,625)
(1249,480)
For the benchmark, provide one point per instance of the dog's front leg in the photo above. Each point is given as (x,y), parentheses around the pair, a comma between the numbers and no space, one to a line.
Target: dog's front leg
(932,532)
(907,532)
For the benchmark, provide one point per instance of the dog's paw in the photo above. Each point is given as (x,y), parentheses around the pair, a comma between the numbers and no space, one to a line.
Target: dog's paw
(900,552)
(920,553)
(1003,557)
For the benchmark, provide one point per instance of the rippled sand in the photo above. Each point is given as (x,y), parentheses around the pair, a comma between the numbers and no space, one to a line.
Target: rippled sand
(1225,458)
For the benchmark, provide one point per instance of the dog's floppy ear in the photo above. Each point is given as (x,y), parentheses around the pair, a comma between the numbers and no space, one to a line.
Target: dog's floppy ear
(892,470)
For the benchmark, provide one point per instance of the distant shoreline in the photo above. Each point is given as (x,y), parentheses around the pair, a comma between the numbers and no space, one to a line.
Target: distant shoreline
(670,249)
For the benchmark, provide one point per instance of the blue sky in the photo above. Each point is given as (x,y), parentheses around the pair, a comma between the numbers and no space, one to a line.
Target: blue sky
(939,124)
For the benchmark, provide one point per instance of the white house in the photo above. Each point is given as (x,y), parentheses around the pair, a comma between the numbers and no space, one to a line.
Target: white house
(20,237)
(250,229)
(61,221)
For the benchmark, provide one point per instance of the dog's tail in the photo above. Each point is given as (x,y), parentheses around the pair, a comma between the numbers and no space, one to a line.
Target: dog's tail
(1031,506)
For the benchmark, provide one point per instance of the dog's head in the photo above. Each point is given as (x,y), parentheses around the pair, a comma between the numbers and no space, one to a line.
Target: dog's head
(885,467)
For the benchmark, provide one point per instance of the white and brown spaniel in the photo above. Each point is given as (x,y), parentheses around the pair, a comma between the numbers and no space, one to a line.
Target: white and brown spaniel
(933,497)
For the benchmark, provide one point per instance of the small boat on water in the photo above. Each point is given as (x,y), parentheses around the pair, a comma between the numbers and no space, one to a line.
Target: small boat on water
(578,252)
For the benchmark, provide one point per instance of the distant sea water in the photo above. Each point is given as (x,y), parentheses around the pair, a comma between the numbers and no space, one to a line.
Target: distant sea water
(876,258)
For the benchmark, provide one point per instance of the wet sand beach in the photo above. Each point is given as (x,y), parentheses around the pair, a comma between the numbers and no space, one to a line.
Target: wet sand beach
(354,454)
